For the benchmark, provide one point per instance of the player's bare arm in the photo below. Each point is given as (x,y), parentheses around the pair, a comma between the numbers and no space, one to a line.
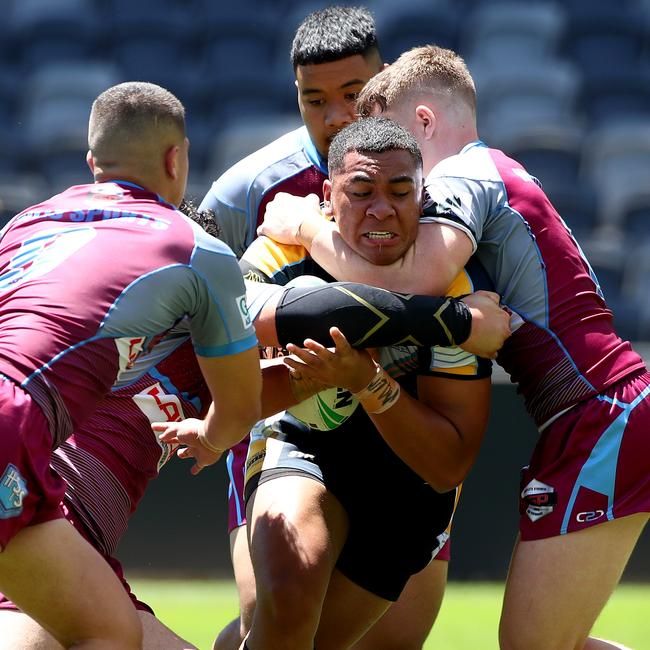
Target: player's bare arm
(428,267)
(235,384)
(281,389)
(446,423)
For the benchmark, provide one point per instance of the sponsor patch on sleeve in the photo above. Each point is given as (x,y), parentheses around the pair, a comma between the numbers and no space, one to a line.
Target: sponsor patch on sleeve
(242,306)
(13,490)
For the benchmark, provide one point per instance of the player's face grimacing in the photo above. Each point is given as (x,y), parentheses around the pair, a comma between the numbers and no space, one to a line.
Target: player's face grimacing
(377,200)
(327,95)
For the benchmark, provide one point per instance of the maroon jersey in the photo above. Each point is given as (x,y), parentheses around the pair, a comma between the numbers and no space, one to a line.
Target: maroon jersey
(109,461)
(564,348)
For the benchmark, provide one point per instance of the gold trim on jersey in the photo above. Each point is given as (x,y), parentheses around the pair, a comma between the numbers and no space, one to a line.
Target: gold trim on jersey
(270,257)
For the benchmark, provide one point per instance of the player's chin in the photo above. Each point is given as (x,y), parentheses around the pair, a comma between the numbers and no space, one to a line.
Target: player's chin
(382,252)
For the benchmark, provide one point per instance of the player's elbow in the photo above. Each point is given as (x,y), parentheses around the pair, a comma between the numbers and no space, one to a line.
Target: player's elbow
(450,476)
(251,415)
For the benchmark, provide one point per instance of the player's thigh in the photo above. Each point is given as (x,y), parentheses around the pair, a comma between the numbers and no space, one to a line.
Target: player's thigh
(156,635)
(407,623)
(72,580)
(557,586)
(296,526)
(20,632)
(244,575)
(348,612)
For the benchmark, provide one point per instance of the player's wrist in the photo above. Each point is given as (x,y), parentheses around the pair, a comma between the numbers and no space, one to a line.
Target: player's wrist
(307,230)
(381,393)
(211,447)
(457,318)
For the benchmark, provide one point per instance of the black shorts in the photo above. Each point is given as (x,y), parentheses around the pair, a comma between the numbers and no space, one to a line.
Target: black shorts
(397,521)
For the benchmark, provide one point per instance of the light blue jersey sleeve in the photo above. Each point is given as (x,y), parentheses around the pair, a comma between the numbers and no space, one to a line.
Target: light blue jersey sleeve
(208,293)
(463,191)
(227,198)
(220,323)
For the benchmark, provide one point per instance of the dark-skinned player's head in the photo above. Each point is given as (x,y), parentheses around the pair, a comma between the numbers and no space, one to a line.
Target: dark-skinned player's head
(375,188)
(334,53)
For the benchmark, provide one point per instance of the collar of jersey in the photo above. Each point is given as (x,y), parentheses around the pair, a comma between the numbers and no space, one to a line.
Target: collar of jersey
(144,189)
(312,153)
(470,145)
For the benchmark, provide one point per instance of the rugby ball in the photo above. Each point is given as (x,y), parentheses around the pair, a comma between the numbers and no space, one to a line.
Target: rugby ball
(326,410)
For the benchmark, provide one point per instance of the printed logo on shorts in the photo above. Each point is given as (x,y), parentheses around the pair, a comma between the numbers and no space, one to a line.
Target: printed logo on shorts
(589,515)
(243,311)
(538,499)
(13,490)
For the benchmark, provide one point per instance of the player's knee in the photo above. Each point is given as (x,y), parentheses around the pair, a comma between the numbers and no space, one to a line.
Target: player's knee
(128,634)
(291,601)
(133,639)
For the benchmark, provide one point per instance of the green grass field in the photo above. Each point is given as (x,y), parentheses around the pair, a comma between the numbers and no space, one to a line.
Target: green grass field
(468,620)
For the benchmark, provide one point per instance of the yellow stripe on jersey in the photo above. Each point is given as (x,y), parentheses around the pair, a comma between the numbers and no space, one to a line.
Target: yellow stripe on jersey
(454,361)
(270,257)
(460,285)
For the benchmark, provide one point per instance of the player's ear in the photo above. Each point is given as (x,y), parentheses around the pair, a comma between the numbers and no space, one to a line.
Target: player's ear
(327,196)
(90,162)
(425,121)
(171,161)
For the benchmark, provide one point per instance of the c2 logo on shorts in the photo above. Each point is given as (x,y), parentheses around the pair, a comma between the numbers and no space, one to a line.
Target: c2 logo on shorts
(591,515)
(13,490)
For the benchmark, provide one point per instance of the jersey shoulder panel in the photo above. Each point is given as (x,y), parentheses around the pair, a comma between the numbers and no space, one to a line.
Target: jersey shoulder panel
(277,263)
(261,170)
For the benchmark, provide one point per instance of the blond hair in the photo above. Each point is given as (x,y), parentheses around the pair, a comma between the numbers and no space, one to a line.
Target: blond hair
(427,69)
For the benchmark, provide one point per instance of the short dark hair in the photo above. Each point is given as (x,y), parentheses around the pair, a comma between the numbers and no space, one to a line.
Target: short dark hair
(133,108)
(332,34)
(371,135)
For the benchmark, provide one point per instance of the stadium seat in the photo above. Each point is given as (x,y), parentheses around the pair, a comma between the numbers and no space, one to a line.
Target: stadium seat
(241,138)
(11,129)
(607,258)
(635,285)
(616,161)
(629,207)
(497,33)
(53,30)
(238,44)
(609,36)
(551,151)
(523,94)
(54,89)
(614,95)
(635,218)
(402,26)
(163,53)
(57,103)
(70,80)
(19,191)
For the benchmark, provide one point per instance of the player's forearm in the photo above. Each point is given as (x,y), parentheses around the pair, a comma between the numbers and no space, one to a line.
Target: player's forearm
(369,317)
(225,426)
(431,445)
(235,384)
(280,391)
